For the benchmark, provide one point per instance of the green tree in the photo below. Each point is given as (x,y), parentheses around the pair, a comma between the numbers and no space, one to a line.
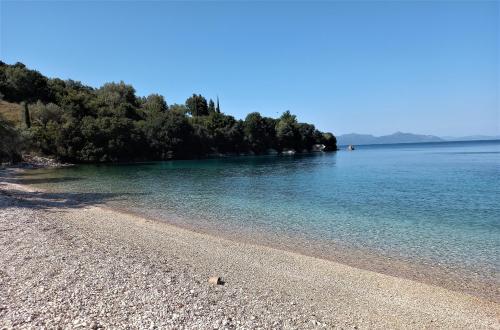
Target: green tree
(330,142)
(236,138)
(154,103)
(222,131)
(117,99)
(201,144)
(217,108)
(26,115)
(18,84)
(211,107)
(197,105)
(256,134)
(74,97)
(110,139)
(307,136)
(169,134)
(10,142)
(287,132)
(179,108)
(48,129)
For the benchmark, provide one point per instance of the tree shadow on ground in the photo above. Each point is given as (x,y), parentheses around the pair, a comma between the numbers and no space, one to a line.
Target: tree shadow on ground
(49,200)
(42,180)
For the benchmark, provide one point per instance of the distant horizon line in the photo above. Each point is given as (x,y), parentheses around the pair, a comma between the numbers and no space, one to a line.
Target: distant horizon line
(422,134)
(422,142)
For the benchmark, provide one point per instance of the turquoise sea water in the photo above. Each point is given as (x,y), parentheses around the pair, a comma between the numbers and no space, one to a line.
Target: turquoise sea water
(434,203)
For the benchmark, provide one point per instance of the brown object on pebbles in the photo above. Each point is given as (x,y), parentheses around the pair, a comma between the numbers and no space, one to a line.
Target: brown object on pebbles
(215,280)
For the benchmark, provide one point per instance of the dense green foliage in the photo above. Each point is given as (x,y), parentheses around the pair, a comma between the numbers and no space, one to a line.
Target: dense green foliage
(78,123)
(10,141)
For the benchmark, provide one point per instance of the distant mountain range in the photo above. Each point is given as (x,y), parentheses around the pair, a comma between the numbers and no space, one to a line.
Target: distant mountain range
(400,137)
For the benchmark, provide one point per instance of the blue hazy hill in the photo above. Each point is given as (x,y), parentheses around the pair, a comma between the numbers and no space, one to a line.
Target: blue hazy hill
(398,137)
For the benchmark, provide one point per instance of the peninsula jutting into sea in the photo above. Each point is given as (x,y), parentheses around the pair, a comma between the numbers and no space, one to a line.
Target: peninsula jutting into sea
(78,123)
(195,174)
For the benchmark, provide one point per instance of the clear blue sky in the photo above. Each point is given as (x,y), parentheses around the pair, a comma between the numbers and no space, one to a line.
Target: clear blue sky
(428,67)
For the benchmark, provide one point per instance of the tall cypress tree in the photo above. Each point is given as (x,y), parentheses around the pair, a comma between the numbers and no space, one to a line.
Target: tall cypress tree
(26,115)
(211,106)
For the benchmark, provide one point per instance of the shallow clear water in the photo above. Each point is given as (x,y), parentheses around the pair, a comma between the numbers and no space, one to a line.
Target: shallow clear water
(433,203)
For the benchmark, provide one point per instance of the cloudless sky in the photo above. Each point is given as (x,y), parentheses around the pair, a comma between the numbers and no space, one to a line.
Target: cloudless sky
(429,67)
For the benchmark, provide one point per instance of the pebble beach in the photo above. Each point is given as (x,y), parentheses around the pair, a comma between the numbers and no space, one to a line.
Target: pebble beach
(71,264)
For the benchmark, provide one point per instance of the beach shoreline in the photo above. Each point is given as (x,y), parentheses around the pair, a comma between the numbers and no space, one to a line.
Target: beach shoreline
(452,278)
(265,287)
(434,274)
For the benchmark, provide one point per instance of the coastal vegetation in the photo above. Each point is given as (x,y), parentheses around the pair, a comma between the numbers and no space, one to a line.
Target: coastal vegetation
(77,123)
